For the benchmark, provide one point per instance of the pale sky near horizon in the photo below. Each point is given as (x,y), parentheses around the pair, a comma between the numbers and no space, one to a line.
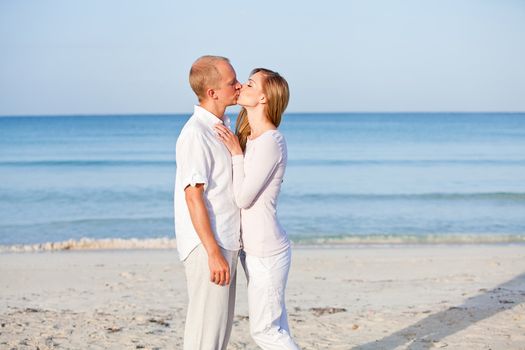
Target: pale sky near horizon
(130,56)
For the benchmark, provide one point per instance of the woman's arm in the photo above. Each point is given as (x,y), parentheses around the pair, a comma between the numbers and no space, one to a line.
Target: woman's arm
(263,162)
(229,139)
(266,156)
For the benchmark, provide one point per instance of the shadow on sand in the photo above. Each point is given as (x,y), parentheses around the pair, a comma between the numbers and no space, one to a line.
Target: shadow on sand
(426,334)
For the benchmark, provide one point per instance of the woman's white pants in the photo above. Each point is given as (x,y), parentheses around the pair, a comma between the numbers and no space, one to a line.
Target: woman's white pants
(267,277)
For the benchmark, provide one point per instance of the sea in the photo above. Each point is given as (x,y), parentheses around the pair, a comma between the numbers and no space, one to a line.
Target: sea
(384,178)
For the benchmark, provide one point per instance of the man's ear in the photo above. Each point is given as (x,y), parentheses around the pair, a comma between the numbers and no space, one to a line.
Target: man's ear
(211,94)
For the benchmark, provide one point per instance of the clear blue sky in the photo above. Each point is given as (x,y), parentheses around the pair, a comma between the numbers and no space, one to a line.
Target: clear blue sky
(130,56)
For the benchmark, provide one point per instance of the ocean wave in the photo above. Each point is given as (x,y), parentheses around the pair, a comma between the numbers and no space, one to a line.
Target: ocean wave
(411,239)
(156,194)
(104,195)
(87,163)
(92,244)
(506,196)
(408,162)
(291,162)
(298,241)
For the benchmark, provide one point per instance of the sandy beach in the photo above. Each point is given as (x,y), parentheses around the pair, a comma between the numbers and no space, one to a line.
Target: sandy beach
(351,297)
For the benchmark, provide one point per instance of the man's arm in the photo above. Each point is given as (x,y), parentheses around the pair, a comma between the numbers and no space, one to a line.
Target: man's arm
(219,268)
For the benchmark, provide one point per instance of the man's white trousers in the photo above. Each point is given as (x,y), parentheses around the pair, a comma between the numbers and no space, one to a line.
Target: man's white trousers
(211,307)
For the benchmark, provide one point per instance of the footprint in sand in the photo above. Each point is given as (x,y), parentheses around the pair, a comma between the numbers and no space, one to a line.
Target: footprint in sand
(128,275)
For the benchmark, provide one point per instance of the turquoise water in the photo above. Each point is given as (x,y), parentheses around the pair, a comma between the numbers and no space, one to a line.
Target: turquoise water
(349,175)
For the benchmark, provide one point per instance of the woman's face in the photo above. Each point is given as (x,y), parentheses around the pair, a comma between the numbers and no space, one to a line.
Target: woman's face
(252,91)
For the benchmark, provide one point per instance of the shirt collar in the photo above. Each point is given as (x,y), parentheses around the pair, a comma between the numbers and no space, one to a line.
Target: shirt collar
(209,118)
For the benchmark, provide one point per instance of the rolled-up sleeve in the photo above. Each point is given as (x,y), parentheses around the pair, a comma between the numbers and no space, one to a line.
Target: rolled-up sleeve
(192,160)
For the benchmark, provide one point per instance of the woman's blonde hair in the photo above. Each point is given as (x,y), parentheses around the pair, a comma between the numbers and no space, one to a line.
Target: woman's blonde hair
(275,88)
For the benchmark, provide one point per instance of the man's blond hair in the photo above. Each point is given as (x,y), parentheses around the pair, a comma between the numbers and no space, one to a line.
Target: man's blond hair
(204,74)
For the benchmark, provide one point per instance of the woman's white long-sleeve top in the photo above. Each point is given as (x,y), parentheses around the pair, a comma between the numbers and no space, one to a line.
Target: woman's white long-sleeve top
(257,178)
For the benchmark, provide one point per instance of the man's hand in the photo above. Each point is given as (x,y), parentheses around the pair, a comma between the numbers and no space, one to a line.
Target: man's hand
(219,268)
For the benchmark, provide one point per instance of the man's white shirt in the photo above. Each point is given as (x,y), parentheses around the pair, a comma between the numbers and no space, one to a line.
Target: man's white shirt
(202,158)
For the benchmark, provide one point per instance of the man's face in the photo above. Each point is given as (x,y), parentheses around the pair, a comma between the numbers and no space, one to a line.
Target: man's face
(229,88)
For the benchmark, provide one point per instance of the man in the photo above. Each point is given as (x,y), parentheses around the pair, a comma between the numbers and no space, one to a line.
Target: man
(207,220)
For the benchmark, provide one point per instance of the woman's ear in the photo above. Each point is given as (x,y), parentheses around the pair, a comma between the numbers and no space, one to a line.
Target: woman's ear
(263,100)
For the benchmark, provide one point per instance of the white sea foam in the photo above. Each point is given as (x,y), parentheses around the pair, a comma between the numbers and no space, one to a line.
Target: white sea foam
(415,239)
(93,244)
(170,243)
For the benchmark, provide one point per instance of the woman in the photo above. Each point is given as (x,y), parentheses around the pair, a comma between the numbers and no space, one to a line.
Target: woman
(257,178)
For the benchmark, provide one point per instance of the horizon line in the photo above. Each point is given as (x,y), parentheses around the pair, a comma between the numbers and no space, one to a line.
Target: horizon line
(286,113)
